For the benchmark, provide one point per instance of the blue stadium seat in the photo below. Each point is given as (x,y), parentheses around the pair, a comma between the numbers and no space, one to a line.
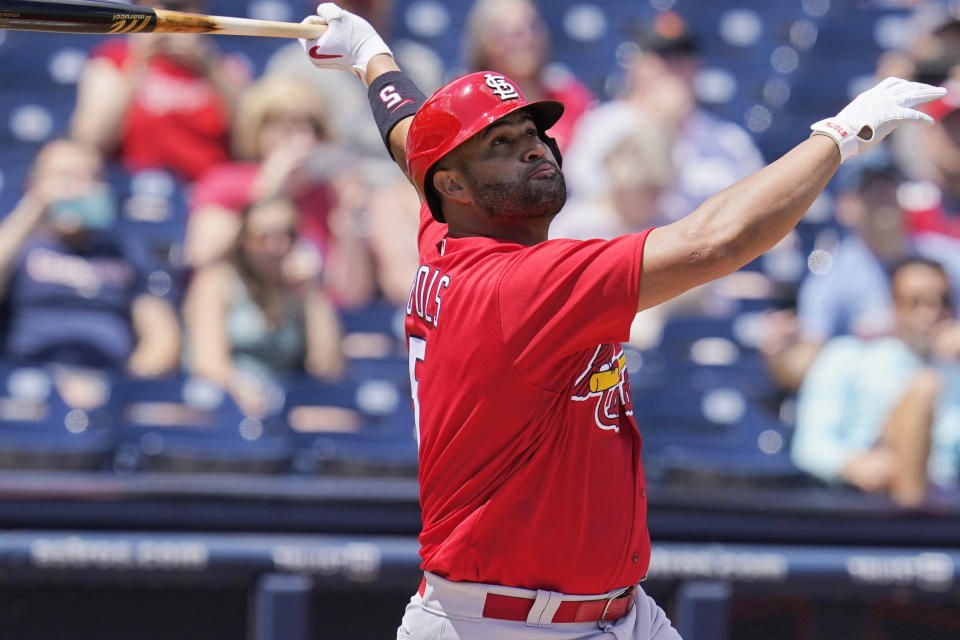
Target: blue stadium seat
(39,431)
(189,424)
(373,332)
(352,427)
(15,163)
(682,333)
(719,434)
(152,208)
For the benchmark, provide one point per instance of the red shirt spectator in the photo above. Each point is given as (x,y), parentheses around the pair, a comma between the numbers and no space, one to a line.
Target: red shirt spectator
(155,105)
(282,139)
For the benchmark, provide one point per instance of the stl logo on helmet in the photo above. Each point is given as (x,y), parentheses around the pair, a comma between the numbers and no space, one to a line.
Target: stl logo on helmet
(605,378)
(501,87)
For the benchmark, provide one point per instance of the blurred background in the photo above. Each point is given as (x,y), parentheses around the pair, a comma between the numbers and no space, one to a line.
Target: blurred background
(206,257)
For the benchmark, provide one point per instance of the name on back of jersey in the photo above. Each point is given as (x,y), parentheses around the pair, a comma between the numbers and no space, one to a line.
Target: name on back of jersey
(425,295)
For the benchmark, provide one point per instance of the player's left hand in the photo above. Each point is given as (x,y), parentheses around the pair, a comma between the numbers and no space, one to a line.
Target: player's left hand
(349,42)
(875,113)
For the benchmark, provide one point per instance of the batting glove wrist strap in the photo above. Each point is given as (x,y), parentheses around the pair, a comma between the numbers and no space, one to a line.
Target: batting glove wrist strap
(842,134)
(349,43)
(875,113)
(393,96)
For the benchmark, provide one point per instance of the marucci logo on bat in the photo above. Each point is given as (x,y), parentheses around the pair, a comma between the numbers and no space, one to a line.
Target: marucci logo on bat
(130,26)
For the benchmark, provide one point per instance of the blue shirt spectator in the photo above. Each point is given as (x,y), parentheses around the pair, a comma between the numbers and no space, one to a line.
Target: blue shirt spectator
(708,153)
(847,395)
(848,288)
(853,297)
(74,293)
(71,303)
(883,414)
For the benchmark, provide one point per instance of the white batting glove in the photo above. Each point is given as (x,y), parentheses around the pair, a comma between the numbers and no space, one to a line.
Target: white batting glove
(348,43)
(875,113)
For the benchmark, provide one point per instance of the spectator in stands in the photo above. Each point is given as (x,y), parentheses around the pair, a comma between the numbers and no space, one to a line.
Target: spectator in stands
(932,205)
(77,294)
(933,50)
(511,37)
(709,153)
(393,218)
(160,100)
(636,177)
(931,55)
(250,323)
(282,138)
(883,415)
(384,207)
(848,290)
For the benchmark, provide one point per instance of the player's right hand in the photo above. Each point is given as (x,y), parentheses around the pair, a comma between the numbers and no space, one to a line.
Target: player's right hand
(348,43)
(875,113)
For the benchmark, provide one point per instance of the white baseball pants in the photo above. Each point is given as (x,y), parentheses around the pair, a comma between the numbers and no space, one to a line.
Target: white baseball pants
(452,611)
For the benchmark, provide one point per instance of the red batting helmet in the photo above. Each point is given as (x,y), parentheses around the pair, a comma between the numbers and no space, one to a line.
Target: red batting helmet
(461,109)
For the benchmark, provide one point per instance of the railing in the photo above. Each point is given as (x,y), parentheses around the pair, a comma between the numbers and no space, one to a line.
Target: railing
(281,571)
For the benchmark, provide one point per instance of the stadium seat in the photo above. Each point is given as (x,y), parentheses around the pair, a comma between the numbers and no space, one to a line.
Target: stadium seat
(189,424)
(355,427)
(719,435)
(15,163)
(684,335)
(39,431)
(373,332)
(153,208)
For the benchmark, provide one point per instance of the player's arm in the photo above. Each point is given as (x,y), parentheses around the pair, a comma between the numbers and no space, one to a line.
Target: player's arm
(737,224)
(351,44)
(746,219)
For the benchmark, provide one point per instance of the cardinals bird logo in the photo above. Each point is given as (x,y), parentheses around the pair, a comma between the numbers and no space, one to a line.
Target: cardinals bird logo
(605,378)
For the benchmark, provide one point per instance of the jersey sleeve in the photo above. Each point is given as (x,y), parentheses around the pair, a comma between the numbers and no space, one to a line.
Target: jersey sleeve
(562,296)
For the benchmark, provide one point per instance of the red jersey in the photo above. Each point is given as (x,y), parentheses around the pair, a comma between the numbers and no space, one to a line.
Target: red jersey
(176,119)
(530,472)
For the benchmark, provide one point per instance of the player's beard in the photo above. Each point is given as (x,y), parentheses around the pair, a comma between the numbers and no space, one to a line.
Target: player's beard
(522,198)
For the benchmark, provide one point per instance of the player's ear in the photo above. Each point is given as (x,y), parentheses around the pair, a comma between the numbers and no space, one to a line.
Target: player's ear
(450,183)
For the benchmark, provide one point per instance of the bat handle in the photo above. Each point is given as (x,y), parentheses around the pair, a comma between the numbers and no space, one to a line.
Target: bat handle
(179,22)
(311,31)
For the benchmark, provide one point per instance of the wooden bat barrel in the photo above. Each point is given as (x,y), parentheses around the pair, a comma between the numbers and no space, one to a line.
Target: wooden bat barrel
(76,16)
(102,16)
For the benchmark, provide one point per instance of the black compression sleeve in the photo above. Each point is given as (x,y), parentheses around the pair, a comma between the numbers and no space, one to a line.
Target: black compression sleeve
(393,97)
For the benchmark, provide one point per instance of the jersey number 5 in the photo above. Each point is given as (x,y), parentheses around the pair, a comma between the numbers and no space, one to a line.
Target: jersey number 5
(417,348)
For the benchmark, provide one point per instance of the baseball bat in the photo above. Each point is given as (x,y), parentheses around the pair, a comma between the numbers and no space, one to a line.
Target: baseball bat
(104,16)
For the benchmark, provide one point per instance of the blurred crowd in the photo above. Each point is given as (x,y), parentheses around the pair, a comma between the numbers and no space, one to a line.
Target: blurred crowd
(297,216)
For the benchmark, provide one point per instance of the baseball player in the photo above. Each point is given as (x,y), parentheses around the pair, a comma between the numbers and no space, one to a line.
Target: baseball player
(532,489)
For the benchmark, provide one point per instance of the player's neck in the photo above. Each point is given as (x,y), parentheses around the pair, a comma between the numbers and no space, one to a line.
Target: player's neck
(526,231)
